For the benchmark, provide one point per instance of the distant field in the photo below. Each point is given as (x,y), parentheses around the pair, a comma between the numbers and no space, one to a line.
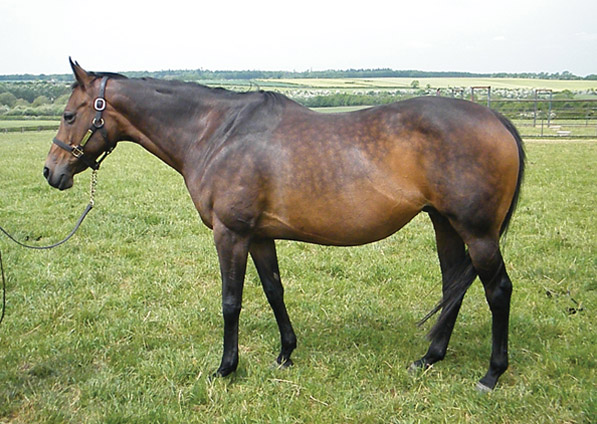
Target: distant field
(396,83)
(339,109)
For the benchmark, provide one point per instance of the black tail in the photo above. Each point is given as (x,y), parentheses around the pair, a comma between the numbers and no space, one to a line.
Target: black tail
(521,163)
(459,280)
(463,276)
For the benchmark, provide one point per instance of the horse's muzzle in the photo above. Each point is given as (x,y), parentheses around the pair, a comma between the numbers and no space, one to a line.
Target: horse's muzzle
(61,181)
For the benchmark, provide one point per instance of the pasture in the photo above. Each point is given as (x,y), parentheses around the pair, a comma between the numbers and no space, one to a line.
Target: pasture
(20,123)
(123,323)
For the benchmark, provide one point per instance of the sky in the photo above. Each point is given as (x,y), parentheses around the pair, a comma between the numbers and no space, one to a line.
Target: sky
(431,35)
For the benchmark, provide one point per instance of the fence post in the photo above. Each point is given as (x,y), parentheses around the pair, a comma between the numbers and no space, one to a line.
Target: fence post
(535,111)
(543,90)
(549,113)
(489,96)
(542,126)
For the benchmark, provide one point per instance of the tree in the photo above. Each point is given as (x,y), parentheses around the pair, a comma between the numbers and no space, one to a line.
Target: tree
(62,100)
(8,99)
(40,101)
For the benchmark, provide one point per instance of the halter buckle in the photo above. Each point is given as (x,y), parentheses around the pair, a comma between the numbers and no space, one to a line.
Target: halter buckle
(77,152)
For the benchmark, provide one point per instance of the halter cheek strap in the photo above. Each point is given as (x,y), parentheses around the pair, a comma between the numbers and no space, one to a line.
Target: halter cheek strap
(99,104)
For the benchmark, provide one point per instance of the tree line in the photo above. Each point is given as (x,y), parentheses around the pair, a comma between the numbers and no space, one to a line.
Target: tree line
(204,74)
(48,98)
(33,98)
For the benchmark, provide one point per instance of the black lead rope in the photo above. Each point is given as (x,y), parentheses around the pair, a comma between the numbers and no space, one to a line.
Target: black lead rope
(51,246)
(3,290)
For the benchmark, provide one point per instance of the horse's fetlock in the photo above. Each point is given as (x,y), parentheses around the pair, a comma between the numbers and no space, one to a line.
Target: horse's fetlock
(499,366)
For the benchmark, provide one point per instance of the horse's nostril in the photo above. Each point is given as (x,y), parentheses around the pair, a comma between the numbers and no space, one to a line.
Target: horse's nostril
(46,172)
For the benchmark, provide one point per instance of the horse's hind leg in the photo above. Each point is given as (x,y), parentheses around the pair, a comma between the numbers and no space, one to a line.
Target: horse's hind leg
(455,265)
(488,262)
(264,256)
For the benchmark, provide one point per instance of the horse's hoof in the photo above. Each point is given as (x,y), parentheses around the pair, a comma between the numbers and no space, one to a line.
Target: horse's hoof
(282,364)
(417,366)
(414,369)
(216,375)
(482,388)
(222,372)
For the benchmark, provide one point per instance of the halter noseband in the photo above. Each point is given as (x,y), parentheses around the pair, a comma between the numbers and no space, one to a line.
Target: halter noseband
(99,104)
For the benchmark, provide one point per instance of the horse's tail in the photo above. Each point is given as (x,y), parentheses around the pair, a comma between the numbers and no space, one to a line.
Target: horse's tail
(458,281)
(521,165)
(463,275)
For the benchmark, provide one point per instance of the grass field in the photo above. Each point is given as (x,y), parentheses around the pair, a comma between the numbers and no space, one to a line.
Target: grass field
(27,123)
(122,324)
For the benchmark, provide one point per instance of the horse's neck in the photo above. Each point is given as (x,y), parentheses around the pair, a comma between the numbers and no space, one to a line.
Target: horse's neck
(167,121)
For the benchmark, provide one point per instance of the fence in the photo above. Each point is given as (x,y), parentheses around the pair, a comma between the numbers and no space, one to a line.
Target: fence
(548,117)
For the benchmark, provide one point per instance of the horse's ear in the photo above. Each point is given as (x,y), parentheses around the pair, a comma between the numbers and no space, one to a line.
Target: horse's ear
(81,75)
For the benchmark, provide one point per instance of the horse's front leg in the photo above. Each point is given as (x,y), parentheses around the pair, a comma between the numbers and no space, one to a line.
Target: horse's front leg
(232,253)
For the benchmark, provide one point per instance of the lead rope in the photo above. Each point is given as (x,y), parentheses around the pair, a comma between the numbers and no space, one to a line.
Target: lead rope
(3,290)
(90,205)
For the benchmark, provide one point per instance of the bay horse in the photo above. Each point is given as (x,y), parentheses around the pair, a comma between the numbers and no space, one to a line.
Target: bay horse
(261,167)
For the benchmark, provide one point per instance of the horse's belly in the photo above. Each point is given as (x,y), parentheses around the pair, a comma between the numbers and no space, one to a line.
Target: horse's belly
(341,221)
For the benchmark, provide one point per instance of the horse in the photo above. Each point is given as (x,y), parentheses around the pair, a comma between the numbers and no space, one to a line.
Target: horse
(259,167)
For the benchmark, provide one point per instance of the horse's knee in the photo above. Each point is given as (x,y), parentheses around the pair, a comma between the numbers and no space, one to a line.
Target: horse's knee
(231,311)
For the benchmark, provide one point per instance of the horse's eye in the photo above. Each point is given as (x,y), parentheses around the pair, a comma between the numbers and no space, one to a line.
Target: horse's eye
(69,117)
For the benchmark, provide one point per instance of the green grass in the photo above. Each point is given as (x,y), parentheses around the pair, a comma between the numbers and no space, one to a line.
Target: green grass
(122,324)
(27,123)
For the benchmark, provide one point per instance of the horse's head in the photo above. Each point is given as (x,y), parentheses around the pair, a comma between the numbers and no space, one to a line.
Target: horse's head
(87,130)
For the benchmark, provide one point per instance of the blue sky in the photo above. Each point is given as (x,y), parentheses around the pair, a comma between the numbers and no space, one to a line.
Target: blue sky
(458,35)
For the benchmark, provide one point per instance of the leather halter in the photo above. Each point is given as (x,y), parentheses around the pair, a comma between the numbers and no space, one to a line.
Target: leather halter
(99,104)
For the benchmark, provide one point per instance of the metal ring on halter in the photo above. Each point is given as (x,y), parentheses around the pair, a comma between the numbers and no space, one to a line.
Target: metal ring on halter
(98,124)
(99,104)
